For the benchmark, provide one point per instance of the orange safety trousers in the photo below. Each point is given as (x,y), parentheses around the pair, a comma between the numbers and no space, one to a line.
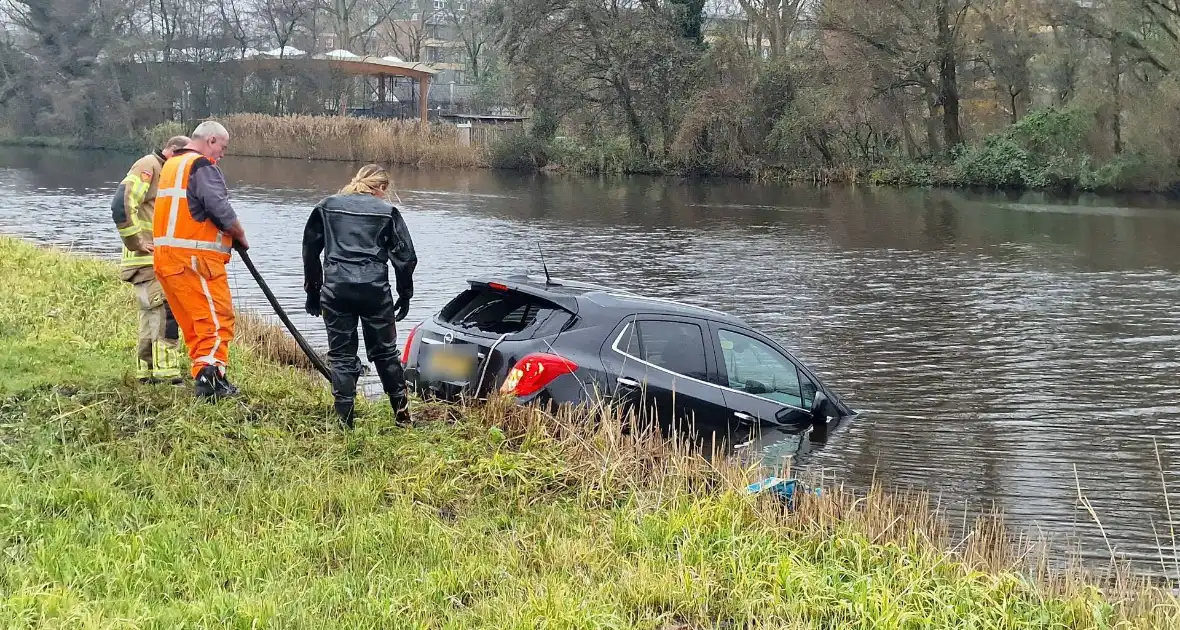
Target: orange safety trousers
(197,288)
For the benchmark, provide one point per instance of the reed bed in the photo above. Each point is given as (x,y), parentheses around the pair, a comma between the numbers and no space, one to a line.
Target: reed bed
(351,139)
(124,505)
(269,340)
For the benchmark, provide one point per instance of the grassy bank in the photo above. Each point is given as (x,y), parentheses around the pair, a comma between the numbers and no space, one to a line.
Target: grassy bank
(135,506)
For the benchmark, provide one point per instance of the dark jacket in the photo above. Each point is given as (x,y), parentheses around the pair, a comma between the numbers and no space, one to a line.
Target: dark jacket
(358,234)
(208,195)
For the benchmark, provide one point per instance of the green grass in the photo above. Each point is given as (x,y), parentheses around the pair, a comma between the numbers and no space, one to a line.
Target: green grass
(69,324)
(128,506)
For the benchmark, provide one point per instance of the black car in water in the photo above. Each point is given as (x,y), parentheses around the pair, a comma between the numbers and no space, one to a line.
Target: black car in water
(550,341)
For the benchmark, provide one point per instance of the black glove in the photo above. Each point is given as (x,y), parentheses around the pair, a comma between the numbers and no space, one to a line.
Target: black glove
(312,306)
(402,308)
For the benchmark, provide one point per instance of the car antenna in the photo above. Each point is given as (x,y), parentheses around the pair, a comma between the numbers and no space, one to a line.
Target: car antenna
(548,281)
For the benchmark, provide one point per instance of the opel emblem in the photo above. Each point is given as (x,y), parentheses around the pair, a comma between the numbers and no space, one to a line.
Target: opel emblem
(449,337)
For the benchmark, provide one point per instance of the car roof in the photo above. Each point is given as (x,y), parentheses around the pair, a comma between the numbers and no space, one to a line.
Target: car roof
(579,296)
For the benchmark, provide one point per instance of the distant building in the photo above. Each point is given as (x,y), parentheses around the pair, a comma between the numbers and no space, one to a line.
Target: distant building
(427,31)
(727,18)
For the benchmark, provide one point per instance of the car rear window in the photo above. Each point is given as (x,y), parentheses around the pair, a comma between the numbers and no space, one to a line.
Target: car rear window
(499,312)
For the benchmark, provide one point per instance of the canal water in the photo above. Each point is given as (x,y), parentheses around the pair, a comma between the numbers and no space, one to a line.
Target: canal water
(1005,349)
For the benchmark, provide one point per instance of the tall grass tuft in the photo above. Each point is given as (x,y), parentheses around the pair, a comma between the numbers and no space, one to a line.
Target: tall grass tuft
(350,139)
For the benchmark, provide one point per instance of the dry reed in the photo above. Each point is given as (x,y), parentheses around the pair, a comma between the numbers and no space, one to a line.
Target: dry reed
(351,139)
(270,341)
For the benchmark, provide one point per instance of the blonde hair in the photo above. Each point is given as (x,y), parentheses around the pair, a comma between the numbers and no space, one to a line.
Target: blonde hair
(369,181)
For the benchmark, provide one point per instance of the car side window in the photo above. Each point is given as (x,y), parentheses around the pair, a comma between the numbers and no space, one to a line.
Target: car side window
(675,346)
(809,389)
(754,367)
(628,342)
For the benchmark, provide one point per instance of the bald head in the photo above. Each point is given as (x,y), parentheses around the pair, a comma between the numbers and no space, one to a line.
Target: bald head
(210,129)
(210,138)
(174,144)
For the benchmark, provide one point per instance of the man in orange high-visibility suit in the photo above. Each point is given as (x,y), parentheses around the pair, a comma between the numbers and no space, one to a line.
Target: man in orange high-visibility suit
(194,229)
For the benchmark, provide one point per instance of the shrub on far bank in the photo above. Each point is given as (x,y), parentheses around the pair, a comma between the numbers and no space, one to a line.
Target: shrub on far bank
(519,152)
(611,155)
(1133,171)
(155,137)
(124,144)
(1047,149)
(906,175)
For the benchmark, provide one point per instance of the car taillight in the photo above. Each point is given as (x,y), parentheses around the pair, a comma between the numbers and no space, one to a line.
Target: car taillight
(532,373)
(409,342)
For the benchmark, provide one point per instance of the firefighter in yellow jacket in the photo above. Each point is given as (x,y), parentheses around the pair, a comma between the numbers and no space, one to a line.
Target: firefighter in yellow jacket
(132,209)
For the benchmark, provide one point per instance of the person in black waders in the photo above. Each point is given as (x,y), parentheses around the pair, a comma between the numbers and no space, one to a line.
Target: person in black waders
(359,231)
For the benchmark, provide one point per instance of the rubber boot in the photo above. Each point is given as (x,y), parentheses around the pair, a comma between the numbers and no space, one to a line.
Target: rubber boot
(143,371)
(205,385)
(225,389)
(401,411)
(211,383)
(165,364)
(346,411)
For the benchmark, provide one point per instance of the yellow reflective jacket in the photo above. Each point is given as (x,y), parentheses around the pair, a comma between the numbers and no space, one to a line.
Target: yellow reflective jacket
(132,210)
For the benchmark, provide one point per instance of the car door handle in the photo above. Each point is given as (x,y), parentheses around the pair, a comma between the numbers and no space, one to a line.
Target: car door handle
(627,382)
(744,417)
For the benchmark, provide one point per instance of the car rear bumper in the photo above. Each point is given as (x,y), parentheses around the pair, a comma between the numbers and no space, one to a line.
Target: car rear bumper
(577,388)
(435,390)
(488,369)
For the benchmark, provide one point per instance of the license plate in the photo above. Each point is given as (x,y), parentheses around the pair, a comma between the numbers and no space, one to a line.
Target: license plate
(448,364)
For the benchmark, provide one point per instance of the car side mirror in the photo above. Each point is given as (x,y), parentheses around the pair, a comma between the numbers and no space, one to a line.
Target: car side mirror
(820,405)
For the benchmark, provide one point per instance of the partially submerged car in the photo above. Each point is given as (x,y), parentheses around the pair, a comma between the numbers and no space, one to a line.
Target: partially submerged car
(558,342)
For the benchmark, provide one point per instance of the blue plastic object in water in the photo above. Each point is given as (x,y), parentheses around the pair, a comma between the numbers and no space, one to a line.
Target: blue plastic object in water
(783,488)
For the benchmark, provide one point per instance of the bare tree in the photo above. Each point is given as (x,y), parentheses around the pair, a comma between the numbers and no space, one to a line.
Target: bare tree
(468,20)
(354,20)
(236,23)
(282,18)
(775,20)
(1146,31)
(917,43)
(613,56)
(413,23)
(66,87)
(1007,46)
(10,59)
